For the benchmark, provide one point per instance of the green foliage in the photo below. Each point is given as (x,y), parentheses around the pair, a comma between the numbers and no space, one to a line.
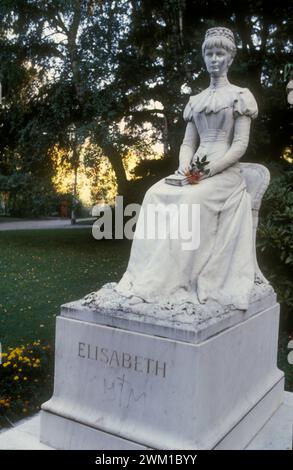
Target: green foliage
(275,238)
(283,363)
(163,52)
(200,164)
(95,63)
(29,196)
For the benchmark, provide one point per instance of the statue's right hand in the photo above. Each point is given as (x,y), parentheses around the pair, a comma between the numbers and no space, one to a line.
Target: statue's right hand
(182,170)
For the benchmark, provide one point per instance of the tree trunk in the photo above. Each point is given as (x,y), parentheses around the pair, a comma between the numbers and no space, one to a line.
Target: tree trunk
(116,161)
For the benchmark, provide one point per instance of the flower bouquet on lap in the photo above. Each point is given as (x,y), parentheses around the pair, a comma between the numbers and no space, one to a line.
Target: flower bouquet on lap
(196,172)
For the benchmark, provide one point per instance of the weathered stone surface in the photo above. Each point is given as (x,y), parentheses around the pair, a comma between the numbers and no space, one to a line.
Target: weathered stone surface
(186,322)
(144,388)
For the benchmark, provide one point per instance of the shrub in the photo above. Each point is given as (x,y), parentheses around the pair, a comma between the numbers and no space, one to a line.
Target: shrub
(283,363)
(25,380)
(275,240)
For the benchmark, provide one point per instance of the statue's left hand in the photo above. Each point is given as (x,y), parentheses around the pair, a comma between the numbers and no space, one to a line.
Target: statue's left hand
(204,176)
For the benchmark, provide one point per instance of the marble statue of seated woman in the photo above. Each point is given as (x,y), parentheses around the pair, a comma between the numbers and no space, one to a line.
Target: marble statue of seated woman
(222,267)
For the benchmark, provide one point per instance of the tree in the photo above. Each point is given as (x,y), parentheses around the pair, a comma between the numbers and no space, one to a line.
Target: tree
(71,48)
(98,63)
(163,52)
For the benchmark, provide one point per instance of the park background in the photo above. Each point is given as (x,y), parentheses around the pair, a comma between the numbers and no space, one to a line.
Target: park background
(92,95)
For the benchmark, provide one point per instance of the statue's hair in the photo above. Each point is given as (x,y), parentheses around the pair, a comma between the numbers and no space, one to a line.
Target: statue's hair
(220,37)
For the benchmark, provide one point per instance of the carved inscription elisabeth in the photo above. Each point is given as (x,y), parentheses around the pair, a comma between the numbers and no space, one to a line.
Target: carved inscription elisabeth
(123,360)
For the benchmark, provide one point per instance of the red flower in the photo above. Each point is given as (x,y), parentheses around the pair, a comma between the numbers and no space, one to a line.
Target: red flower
(193,176)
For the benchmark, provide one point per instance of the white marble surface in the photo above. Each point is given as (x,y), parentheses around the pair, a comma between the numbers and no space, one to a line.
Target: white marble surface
(145,388)
(244,432)
(275,435)
(24,436)
(185,322)
(71,435)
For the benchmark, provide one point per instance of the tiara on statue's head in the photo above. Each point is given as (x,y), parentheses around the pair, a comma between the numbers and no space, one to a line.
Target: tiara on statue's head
(220,32)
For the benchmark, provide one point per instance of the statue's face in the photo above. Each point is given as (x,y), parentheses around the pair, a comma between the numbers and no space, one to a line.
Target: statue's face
(217,60)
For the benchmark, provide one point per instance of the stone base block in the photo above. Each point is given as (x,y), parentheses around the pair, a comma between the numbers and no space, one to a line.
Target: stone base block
(122,389)
(68,434)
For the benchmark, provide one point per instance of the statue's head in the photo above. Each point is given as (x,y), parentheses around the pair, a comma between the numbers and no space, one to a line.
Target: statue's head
(218,50)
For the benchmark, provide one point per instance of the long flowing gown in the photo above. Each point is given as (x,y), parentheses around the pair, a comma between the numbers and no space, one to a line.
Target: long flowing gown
(221,269)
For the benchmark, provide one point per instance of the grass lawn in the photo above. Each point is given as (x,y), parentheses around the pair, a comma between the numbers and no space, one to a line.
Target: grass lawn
(5,219)
(42,269)
(87,221)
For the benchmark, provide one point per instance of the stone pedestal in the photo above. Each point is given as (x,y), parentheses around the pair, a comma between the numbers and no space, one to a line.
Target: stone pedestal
(165,377)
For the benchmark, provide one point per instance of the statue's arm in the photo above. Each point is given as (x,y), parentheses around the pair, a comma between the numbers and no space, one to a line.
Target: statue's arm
(237,148)
(188,148)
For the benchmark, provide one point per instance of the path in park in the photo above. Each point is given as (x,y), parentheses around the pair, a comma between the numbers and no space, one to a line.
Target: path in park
(41,224)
